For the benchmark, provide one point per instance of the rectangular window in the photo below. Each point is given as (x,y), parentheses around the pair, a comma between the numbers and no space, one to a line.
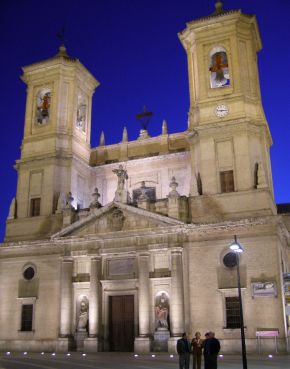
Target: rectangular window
(26,318)
(35,207)
(233,312)
(227,181)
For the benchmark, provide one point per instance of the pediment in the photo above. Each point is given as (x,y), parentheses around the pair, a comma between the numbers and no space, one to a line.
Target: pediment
(116,217)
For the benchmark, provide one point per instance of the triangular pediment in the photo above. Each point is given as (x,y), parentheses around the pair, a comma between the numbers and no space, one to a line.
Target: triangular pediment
(115,217)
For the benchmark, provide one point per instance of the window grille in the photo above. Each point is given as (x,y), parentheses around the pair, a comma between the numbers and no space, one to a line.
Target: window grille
(233,312)
(26,318)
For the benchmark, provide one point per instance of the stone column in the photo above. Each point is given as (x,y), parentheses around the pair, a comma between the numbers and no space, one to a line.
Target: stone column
(177,298)
(65,304)
(142,343)
(91,343)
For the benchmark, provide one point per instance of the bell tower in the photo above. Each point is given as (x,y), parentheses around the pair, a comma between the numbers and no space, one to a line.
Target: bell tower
(55,149)
(227,129)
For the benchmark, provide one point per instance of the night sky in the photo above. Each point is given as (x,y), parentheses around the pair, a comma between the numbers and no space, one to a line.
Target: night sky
(132,48)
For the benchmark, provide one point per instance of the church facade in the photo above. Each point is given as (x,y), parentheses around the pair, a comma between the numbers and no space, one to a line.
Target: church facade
(124,247)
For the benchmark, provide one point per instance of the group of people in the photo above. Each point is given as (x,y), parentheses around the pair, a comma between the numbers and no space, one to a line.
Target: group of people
(209,347)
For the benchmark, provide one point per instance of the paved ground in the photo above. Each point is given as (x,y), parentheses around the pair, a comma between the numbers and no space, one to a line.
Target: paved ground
(127,361)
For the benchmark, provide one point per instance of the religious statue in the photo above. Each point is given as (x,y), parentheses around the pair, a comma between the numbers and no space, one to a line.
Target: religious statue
(69,200)
(43,107)
(122,177)
(81,117)
(161,311)
(83,315)
(219,70)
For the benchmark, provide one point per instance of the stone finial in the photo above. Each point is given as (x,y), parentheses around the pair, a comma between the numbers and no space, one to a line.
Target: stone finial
(62,52)
(125,135)
(164,127)
(95,199)
(143,135)
(173,184)
(102,139)
(69,200)
(219,7)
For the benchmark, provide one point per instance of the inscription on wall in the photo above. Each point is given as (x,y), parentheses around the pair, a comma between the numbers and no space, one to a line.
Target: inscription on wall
(121,267)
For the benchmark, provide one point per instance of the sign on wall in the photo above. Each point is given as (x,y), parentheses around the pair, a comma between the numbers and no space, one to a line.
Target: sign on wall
(264,289)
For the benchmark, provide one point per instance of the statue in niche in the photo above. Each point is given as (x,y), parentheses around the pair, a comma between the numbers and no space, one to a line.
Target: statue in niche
(83,318)
(161,311)
(122,177)
(43,107)
(81,117)
(219,70)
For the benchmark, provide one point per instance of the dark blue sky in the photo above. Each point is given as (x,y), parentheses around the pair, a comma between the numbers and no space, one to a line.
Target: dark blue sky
(132,48)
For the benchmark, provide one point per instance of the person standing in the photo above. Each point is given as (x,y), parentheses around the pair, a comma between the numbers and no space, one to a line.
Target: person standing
(213,348)
(205,350)
(196,348)
(183,351)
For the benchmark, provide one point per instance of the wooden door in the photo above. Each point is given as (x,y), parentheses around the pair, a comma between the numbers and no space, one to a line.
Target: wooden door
(121,323)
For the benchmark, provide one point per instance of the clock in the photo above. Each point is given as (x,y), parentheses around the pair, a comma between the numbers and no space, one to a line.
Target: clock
(221,111)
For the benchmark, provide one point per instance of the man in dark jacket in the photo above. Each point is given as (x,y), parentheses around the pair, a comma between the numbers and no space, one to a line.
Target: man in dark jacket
(183,350)
(211,349)
(205,350)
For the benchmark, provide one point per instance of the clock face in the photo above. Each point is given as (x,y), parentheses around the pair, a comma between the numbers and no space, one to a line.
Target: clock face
(221,110)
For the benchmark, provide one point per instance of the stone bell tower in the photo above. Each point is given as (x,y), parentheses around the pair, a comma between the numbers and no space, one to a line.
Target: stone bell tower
(228,132)
(55,149)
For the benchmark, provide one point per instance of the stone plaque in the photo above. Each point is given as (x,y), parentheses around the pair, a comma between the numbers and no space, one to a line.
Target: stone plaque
(264,289)
(117,267)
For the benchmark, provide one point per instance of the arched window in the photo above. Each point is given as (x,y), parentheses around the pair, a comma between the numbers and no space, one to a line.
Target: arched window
(219,68)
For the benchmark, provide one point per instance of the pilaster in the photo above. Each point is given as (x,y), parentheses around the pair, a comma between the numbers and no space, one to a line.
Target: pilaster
(177,293)
(91,343)
(142,343)
(64,340)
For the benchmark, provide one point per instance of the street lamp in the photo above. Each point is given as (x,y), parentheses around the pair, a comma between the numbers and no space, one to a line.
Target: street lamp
(237,249)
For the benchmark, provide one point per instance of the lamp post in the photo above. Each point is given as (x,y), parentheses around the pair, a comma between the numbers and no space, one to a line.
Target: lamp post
(237,249)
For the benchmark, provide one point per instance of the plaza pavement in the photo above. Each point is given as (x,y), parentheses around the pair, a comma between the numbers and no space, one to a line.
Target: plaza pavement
(111,360)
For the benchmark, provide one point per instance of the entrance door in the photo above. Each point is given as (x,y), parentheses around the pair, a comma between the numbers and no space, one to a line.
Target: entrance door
(121,323)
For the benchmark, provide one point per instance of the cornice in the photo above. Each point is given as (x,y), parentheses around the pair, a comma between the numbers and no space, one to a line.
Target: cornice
(147,239)
(140,161)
